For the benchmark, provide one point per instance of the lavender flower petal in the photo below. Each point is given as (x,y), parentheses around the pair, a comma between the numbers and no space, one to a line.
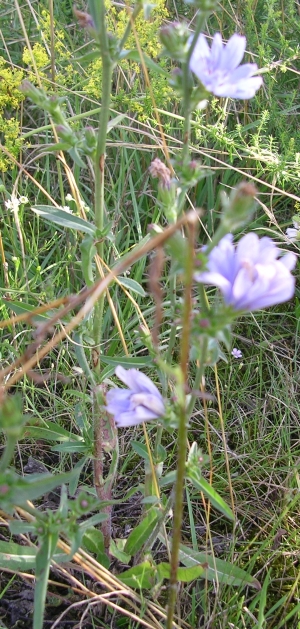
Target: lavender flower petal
(252,277)
(141,402)
(218,67)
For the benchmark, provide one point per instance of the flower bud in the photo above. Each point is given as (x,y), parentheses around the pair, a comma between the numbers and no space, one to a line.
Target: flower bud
(175,38)
(239,206)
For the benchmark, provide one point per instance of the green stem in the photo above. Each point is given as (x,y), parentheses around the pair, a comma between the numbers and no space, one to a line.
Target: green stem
(182,432)
(97,10)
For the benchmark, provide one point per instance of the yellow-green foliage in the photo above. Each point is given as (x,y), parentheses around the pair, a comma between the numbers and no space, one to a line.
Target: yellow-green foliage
(133,93)
(10,101)
(41,55)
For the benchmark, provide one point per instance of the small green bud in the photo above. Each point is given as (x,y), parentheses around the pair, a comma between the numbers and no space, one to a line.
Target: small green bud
(238,208)
(175,38)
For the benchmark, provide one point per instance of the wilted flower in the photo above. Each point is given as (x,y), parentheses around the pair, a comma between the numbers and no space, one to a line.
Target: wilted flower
(293,233)
(236,353)
(249,276)
(158,169)
(141,402)
(218,67)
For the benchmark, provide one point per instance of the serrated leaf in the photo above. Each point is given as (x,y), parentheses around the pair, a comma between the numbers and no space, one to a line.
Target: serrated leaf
(141,533)
(217,569)
(65,219)
(202,485)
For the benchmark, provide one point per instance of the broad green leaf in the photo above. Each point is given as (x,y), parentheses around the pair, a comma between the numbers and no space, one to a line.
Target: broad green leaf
(140,576)
(202,485)
(116,549)
(140,449)
(132,285)
(17,557)
(217,569)
(65,219)
(94,543)
(185,575)
(141,533)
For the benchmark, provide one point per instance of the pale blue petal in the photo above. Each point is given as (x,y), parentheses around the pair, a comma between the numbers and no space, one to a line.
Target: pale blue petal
(136,381)
(233,52)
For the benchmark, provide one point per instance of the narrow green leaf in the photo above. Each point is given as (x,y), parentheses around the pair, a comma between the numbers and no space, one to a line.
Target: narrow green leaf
(141,533)
(125,361)
(37,485)
(52,432)
(20,308)
(88,251)
(202,485)
(152,65)
(132,285)
(217,569)
(115,121)
(17,557)
(60,217)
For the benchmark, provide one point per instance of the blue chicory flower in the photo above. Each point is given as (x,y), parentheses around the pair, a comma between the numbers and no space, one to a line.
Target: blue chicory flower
(249,276)
(139,403)
(218,67)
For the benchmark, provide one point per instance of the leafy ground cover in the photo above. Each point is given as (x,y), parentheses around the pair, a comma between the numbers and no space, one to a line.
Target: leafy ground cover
(248,429)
